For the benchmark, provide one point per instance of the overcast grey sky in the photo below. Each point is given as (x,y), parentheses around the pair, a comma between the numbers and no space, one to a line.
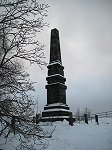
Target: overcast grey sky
(85,28)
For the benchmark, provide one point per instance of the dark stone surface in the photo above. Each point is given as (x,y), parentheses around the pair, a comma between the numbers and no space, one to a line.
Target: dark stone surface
(56,106)
(56,113)
(56,88)
(55,68)
(56,93)
(55,53)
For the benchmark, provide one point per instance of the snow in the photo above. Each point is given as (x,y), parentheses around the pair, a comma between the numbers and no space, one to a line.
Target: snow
(57,83)
(78,137)
(56,109)
(56,75)
(56,117)
(55,62)
(56,104)
(82,136)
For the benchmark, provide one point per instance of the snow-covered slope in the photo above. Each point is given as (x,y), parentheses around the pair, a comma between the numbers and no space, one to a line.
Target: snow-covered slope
(82,136)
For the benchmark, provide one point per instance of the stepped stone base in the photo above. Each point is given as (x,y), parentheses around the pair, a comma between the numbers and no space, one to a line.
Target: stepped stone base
(56,112)
(56,106)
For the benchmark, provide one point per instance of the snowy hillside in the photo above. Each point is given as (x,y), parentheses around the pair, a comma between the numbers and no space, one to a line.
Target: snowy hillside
(82,136)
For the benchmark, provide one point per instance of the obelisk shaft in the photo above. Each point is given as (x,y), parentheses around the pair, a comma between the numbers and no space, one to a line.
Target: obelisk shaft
(55,54)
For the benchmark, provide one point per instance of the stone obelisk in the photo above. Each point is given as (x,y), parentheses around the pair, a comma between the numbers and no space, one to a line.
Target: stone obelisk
(56,107)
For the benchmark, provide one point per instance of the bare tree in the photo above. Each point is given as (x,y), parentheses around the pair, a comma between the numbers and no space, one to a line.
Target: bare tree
(88,112)
(20,21)
(78,115)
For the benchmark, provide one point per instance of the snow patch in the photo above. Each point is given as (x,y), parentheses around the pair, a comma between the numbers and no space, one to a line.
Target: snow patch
(56,104)
(56,109)
(55,62)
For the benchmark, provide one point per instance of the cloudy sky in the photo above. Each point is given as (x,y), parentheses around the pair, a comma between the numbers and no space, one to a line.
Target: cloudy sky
(85,28)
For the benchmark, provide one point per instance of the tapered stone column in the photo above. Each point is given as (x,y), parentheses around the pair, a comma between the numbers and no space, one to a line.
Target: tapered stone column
(56,106)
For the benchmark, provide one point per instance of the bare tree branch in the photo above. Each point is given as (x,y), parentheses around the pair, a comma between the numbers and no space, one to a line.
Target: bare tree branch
(20,21)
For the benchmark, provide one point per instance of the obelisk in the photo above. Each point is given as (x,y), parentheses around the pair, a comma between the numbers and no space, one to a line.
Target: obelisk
(56,107)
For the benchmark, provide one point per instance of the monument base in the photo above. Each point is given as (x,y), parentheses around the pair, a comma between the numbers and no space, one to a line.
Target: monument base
(56,112)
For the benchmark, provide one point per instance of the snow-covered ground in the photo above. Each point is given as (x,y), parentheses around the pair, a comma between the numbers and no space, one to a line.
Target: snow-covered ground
(82,136)
(78,137)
